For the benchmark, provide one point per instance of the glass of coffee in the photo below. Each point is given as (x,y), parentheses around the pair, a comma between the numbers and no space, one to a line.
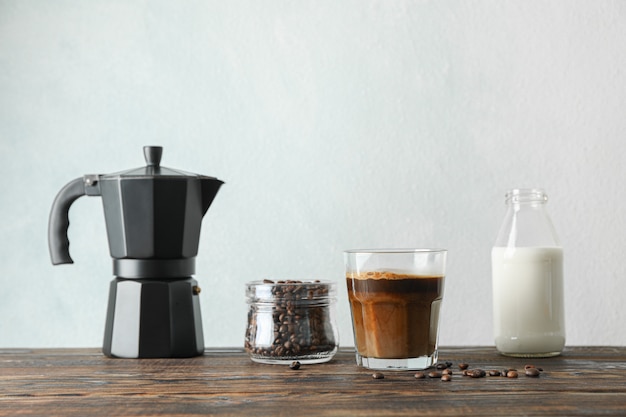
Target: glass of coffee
(395,297)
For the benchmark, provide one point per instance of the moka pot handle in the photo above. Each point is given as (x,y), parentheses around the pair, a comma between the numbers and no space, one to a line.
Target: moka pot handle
(59,221)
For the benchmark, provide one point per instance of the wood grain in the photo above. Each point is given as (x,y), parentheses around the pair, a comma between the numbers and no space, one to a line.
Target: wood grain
(82,382)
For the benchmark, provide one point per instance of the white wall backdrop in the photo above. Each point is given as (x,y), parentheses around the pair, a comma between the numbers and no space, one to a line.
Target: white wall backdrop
(335,125)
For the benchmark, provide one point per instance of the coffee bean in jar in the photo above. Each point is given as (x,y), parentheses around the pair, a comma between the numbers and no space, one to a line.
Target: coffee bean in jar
(291,320)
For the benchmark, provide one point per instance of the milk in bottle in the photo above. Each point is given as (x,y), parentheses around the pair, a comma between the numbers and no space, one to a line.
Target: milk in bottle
(527,280)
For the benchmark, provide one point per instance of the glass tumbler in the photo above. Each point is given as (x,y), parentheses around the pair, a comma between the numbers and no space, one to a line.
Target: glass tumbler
(395,297)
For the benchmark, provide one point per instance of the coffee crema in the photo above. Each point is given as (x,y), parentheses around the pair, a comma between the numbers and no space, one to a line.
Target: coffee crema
(395,316)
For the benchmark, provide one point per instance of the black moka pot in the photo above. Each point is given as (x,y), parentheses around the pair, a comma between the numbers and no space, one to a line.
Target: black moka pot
(153,216)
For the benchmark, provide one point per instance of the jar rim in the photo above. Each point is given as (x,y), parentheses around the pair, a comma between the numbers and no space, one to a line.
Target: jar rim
(264,291)
(285,282)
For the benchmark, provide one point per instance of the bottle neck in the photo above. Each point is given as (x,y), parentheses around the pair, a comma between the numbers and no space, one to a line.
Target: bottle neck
(526,222)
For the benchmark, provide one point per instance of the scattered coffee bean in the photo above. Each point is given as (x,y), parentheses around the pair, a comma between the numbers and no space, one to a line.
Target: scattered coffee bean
(295,365)
(378,375)
(441,366)
(448,364)
(476,373)
(463,366)
(446,373)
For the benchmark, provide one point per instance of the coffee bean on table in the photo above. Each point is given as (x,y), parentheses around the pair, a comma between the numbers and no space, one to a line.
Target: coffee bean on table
(476,373)
(378,375)
(446,374)
(463,366)
(295,365)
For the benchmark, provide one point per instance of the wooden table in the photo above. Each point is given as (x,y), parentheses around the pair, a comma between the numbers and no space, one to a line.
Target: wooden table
(82,382)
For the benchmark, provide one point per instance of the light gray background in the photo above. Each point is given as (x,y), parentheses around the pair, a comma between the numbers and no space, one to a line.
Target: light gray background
(335,125)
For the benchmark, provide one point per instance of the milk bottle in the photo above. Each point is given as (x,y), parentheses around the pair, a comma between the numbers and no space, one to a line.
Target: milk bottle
(527,279)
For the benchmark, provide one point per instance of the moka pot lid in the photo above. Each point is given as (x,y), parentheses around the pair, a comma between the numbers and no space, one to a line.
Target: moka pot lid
(153,169)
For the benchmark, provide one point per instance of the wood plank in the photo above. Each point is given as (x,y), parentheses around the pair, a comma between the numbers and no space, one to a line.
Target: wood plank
(79,382)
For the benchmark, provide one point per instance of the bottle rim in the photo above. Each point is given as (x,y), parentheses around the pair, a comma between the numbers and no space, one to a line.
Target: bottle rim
(526,195)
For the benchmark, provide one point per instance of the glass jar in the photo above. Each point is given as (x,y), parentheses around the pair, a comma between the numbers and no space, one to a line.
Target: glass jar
(291,321)
(527,279)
